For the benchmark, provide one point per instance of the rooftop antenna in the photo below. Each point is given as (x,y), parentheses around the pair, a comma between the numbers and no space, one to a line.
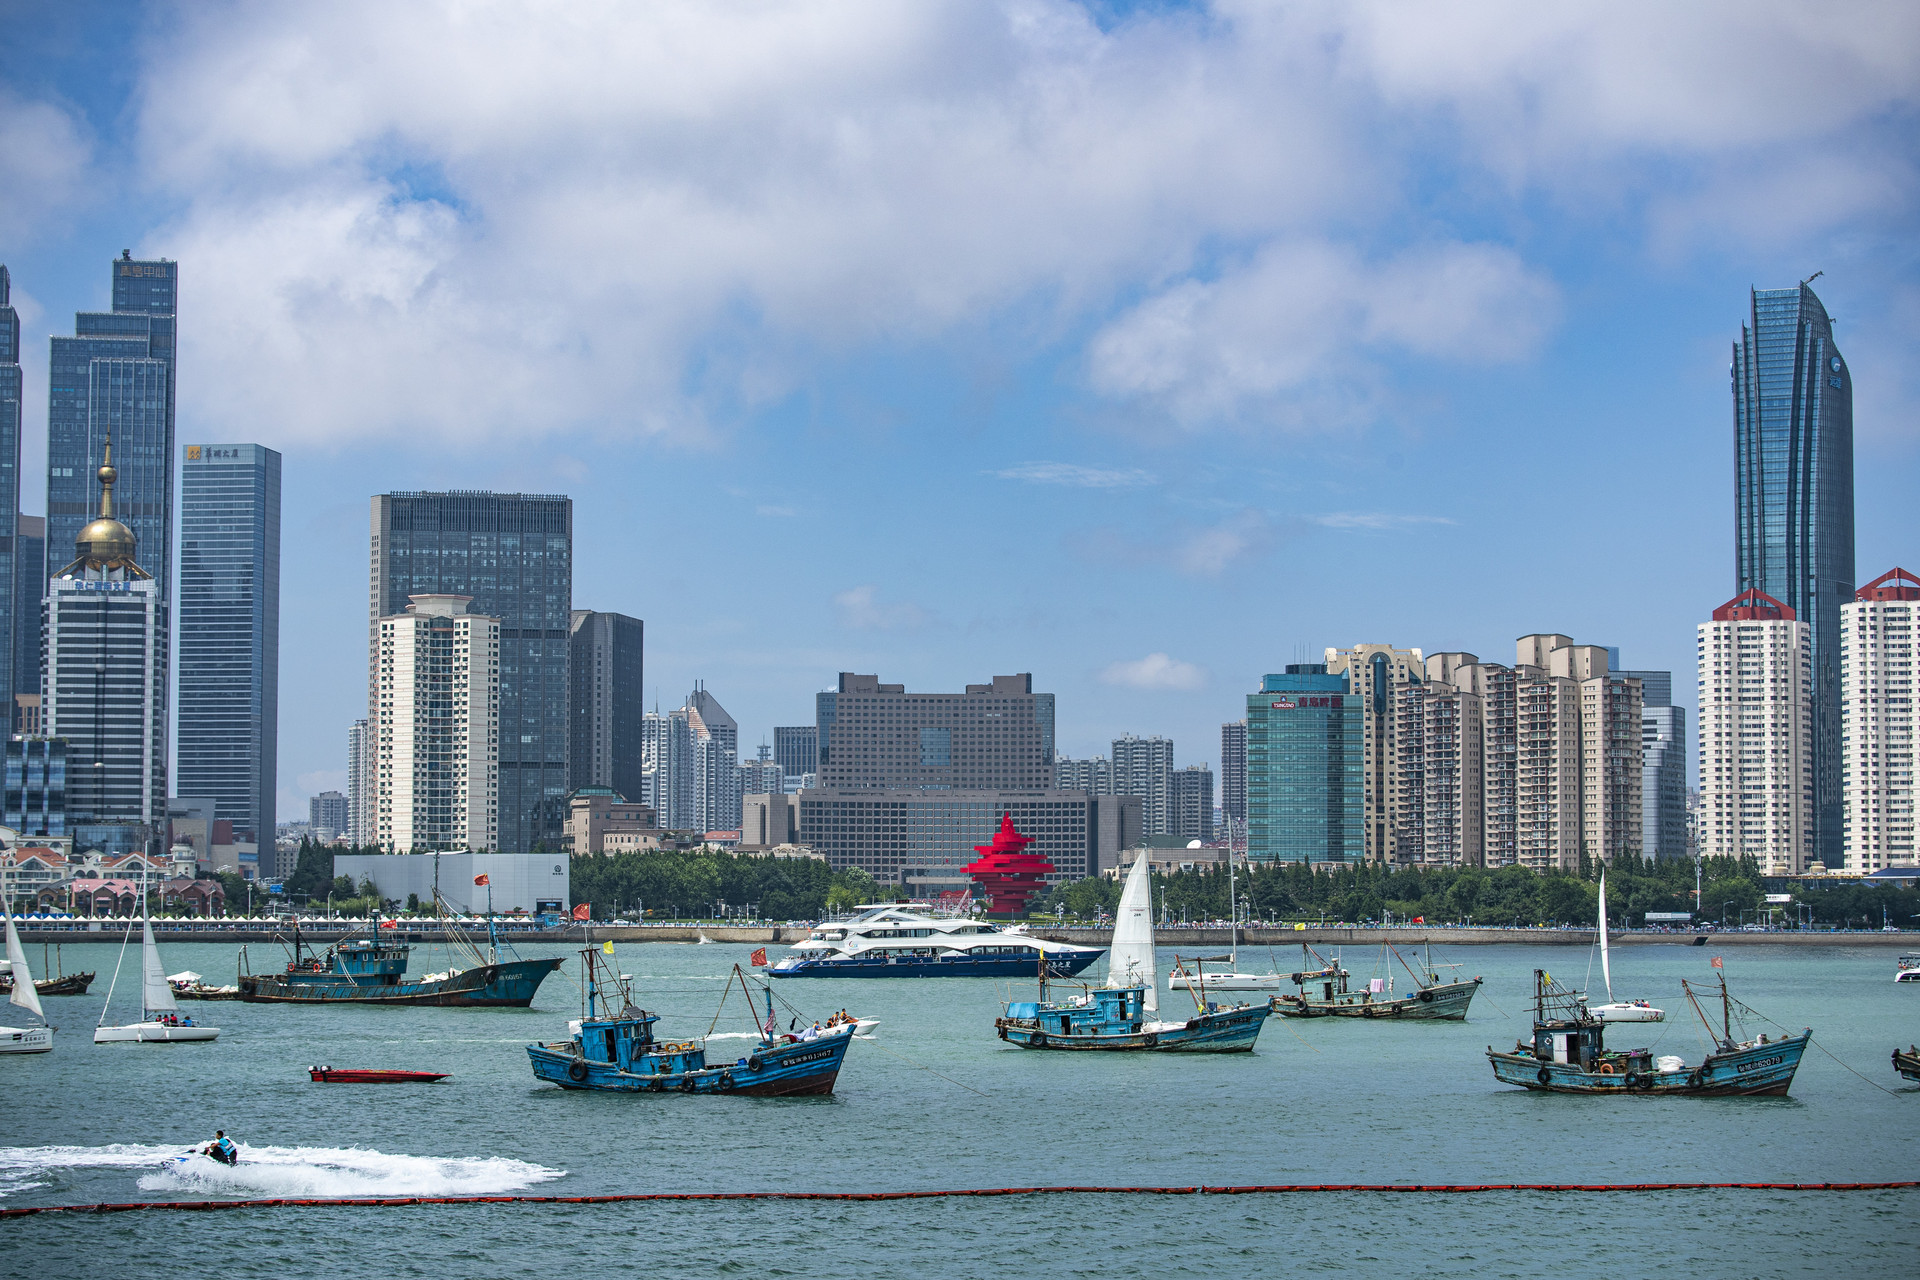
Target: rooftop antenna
(1810,279)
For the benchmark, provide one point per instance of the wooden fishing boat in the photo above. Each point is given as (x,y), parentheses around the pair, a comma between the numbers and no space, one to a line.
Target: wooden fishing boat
(1907,1062)
(1324,992)
(361,1075)
(1123,1015)
(58,982)
(373,971)
(1568,1054)
(618,1052)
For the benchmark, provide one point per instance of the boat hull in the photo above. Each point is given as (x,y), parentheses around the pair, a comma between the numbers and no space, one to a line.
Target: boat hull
(71,984)
(1227,982)
(1445,1002)
(154,1033)
(206,993)
(1065,965)
(1907,1064)
(800,1069)
(351,1075)
(1225,1031)
(1612,1013)
(1753,1071)
(510,985)
(26,1039)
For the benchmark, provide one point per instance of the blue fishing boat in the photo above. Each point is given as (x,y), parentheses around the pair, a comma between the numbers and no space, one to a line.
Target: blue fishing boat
(1568,1054)
(618,1052)
(373,971)
(1123,1015)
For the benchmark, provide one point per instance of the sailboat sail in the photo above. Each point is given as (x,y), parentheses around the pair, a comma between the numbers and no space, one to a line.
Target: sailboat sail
(1130,961)
(24,993)
(1606,970)
(156,996)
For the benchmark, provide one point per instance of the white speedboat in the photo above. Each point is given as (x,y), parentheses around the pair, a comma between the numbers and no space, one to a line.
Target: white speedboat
(23,1039)
(161,1021)
(1617,1010)
(1909,968)
(890,941)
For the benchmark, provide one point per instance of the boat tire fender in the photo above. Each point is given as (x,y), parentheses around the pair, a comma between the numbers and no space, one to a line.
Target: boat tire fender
(754,1063)
(1544,1076)
(1426,996)
(1637,1081)
(1151,1039)
(1697,1077)
(577,1070)
(1003,1033)
(1039,1040)
(687,1085)
(1193,1024)
(656,1085)
(726,1079)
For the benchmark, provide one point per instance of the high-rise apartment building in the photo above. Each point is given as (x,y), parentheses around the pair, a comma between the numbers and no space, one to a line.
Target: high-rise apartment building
(1374,672)
(1233,771)
(104,689)
(14,572)
(1306,768)
(437,705)
(797,748)
(327,815)
(875,735)
(1663,767)
(1578,755)
(762,775)
(512,553)
(1756,735)
(667,771)
(1879,680)
(607,667)
(1095,775)
(1144,767)
(361,784)
(1793,501)
(1190,804)
(228,730)
(1440,742)
(716,761)
(114,379)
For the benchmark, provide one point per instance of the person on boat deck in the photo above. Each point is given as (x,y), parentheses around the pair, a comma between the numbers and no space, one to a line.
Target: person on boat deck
(222,1148)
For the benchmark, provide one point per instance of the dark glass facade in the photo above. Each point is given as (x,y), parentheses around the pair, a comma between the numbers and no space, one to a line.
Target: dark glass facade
(1793,500)
(115,377)
(36,788)
(1306,780)
(513,554)
(14,572)
(229,636)
(797,748)
(607,704)
(30,573)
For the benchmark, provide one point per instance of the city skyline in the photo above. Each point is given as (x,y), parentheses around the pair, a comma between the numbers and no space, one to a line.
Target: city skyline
(1052,424)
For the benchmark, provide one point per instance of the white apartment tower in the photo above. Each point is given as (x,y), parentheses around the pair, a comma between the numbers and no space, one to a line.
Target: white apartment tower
(1879,663)
(436,725)
(1375,672)
(1756,734)
(1144,767)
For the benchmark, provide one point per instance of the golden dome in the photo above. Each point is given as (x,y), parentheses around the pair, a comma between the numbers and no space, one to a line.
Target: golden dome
(106,540)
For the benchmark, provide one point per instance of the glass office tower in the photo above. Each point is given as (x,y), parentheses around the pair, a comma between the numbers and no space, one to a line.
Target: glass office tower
(1793,500)
(11,568)
(1306,780)
(229,637)
(609,671)
(513,554)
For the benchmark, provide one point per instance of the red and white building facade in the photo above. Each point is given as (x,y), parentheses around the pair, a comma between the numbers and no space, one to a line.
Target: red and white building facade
(1756,734)
(1879,655)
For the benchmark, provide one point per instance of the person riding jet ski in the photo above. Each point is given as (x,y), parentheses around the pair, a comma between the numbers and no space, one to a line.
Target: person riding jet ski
(221,1149)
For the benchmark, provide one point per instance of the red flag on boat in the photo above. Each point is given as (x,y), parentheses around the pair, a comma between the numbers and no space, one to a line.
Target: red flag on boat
(479,880)
(1419,919)
(583,912)
(760,958)
(1716,962)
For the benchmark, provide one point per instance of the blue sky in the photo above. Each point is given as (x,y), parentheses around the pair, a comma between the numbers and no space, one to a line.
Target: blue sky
(1146,348)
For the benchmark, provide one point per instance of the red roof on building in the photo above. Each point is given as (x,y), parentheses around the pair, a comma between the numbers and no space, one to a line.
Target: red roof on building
(1894,584)
(1753,605)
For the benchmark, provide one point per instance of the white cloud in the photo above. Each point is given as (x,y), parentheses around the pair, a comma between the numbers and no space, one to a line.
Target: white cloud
(1372,520)
(1070,473)
(862,610)
(1155,671)
(44,156)
(1291,338)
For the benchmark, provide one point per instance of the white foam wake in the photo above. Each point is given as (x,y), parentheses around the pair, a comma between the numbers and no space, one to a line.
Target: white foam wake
(283,1171)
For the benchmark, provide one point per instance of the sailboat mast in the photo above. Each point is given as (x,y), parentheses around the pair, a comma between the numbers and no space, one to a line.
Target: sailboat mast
(1233,913)
(1606,970)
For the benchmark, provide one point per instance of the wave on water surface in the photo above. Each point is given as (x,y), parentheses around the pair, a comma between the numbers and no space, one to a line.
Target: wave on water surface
(281,1171)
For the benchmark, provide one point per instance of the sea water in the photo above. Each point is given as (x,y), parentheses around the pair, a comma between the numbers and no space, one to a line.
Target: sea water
(935,1100)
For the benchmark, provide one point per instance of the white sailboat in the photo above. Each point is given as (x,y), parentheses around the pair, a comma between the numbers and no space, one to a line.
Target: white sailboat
(1617,1010)
(23,1039)
(1130,961)
(160,1021)
(1233,980)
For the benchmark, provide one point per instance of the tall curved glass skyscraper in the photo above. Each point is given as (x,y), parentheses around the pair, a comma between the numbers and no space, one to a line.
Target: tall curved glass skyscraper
(1793,500)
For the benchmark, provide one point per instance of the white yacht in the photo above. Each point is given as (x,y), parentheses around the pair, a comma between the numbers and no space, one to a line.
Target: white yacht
(891,941)
(1909,970)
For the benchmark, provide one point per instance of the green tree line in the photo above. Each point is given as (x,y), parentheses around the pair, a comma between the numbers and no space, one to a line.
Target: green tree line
(1730,890)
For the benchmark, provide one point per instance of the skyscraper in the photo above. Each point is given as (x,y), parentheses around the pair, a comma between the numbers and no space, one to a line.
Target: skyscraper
(666,770)
(606,706)
(437,689)
(1306,776)
(360,784)
(1880,676)
(512,553)
(1191,816)
(228,732)
(1373,672)
(716,761)
(879,735)
(1756,735)
(30,575)
(797,748)
(1793,501)
(14,572)
(1233,771)
(1663,766)
(115,378)
(1144,767)
(105,686)
(327,815)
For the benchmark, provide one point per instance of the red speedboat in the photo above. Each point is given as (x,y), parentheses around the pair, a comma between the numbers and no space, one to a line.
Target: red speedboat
(354,1075)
